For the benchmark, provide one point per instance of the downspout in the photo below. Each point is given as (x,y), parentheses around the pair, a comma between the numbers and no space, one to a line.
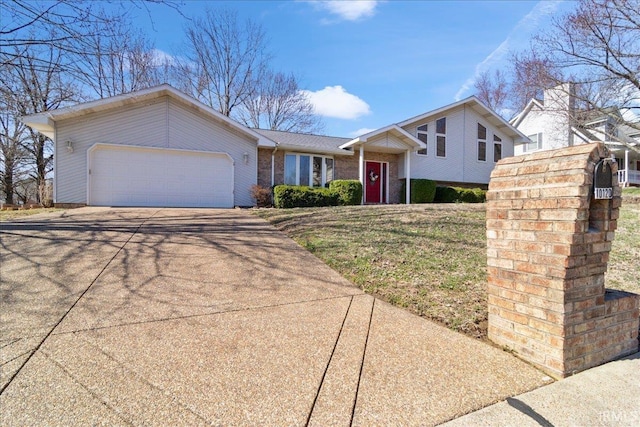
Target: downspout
(273,166)
(361,171)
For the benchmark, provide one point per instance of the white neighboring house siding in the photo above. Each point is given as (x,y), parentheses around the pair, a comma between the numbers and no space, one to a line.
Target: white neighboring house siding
(161,123)
(553,126)
(536,122)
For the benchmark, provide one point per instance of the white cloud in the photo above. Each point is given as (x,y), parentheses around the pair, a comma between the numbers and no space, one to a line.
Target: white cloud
(334,101)
(347,9)
(519,35)
(361,131)
(161,57)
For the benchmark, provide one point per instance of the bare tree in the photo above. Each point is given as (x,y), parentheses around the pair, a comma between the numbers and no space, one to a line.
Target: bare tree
(598,47)
(492,90)
(32,89)
(12,153)
(60,24)
(118,60)
(531,74)
(226,60)
(280,104)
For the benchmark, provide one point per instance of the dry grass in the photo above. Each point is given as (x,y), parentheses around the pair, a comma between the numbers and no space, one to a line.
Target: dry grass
(624,263)
(10,215)
(430,259)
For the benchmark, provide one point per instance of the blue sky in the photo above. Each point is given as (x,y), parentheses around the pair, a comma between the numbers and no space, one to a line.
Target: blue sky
(367,64)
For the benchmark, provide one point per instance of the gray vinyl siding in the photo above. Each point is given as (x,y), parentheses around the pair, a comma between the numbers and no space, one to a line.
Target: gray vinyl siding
(192,131)
(461,162)
(476,171)
(447,168)
(162,123)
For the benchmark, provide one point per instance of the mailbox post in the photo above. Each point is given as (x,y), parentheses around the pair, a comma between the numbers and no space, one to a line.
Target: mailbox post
(551,218)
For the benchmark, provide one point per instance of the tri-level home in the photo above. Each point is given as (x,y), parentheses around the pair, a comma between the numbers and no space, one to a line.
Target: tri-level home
(160,147)
(555,122)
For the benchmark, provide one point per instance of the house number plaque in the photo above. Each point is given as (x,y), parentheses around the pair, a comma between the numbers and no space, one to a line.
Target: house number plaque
(603,180)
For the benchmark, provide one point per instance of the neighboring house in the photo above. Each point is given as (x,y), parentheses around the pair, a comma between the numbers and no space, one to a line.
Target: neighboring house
(160,147)
(554,122)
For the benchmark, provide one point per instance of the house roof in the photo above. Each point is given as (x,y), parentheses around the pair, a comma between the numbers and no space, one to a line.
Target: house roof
(522,114)
(394,130)
(307,142)
(473,102)
(45,122)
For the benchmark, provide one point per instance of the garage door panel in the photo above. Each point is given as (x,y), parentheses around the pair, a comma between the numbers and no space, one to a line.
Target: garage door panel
(128,176)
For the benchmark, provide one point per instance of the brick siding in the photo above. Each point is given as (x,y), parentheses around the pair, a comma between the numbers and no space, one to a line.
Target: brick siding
(548,244)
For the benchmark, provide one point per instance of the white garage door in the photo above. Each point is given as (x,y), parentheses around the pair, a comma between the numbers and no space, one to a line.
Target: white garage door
(136,176)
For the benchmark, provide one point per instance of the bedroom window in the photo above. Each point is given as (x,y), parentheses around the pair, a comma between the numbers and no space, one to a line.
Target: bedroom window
(421,134)
(482,143)
(309,170)
(497,148)
(441,137)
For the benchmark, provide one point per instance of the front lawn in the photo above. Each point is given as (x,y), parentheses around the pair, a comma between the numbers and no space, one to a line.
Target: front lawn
(19,213)
(430,259)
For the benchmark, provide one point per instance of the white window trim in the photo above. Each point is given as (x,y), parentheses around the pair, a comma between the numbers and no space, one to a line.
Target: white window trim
(323,172)
(424,132)
(479,140)
(494,148)
(443,135)
(526,149)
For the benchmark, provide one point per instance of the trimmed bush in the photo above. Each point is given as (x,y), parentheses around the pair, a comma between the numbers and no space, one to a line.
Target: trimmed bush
(481,195)
(349,191)
(460,195)
(446,195)
(297,196)
(422,191)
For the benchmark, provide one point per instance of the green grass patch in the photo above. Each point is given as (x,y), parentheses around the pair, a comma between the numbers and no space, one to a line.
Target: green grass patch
(430,259)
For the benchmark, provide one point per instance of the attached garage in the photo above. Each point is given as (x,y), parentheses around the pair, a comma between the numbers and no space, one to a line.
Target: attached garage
(142,176)
(155,147)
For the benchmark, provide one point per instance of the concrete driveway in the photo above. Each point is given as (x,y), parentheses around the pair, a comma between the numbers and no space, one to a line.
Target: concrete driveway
(201,317)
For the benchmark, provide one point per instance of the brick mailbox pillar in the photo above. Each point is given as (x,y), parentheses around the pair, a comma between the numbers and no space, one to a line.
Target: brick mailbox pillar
(548,243)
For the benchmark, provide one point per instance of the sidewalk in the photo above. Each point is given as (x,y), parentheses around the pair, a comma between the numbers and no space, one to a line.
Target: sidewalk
(608,395)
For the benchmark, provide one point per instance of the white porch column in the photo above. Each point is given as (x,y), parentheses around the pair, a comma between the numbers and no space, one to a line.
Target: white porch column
(407,170)
(626,169)
(361,171)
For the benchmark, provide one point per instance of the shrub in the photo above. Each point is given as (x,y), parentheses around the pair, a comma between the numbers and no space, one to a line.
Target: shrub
(261,195)
(422,191)
(349,191)
(460,195)
(481,195)
(446,195)
(296,196)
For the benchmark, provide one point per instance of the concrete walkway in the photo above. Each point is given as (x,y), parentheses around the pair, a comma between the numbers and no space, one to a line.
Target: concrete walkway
(608,395)
(200,317)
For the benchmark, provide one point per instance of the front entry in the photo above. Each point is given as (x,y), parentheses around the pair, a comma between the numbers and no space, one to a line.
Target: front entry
(375,188)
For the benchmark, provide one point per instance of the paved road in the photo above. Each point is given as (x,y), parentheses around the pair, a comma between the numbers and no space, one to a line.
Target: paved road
(200,317)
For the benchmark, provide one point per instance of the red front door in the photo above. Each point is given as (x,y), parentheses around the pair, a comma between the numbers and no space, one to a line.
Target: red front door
(373,182)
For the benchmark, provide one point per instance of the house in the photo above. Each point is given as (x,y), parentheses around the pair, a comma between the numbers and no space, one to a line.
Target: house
(555,122)
(160,147)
